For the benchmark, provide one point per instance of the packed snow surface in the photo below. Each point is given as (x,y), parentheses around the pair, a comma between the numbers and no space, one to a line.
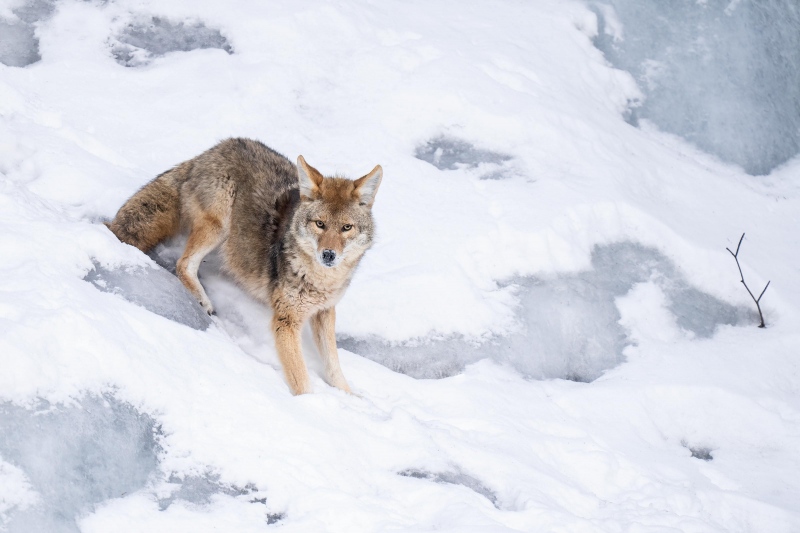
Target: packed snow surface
(548,334)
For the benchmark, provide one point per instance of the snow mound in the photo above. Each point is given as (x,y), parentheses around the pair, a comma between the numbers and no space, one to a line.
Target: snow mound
(569,325)
(721,74)
(76,456)
(139,42)
(19,45)
(155,289)
(449,153)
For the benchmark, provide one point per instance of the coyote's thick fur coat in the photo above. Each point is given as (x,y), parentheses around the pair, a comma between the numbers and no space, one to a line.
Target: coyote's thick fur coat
(290,236)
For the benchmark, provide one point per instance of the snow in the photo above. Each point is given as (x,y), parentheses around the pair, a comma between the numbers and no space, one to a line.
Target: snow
(564,346)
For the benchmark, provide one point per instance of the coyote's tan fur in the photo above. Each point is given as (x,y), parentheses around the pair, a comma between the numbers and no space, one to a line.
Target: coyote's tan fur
(290,236)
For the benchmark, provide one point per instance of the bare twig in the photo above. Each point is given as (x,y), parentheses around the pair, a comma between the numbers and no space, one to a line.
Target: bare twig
(756,300)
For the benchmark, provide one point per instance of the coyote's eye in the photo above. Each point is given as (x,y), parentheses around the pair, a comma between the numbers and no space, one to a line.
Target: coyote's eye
(320,224)
(347,227)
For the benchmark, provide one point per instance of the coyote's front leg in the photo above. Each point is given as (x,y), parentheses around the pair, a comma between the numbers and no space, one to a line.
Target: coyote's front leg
(323,324)
(286,328)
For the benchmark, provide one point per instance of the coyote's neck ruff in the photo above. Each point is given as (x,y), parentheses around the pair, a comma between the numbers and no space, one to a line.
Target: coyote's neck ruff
(290,236)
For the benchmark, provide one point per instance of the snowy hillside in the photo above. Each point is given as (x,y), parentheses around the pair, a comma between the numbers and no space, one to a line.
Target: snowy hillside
(549,334)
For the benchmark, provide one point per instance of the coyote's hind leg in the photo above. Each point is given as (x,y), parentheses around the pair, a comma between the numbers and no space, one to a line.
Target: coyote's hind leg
(205,235)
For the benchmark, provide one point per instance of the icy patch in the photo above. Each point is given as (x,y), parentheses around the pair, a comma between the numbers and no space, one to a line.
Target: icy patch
(76,456)
(155,289)
(569,325)
(198,490)
(454,478)
(273,518)
(724,75)
(699,452)
(447,153)
(57,463)
(430,358)
(139,42)
(34,11)
(19,45)
(703,454)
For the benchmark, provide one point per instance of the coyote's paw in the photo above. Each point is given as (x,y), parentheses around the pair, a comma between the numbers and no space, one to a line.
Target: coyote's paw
(207,307)
(344,387)
(335,378)
(299,389)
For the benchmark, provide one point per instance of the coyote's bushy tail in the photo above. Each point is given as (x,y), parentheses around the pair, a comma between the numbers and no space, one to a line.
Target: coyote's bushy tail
(153,213)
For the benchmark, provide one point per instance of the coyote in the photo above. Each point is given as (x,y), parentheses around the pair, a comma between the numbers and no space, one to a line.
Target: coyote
(289,236)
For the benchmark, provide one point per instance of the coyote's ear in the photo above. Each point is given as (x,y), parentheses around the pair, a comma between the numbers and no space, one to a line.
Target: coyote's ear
(367,186)
(310,178)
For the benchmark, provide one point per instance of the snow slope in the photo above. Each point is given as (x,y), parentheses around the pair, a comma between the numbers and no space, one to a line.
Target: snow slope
(527,234)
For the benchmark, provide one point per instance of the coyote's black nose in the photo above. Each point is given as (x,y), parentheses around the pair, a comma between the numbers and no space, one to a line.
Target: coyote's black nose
(328,256)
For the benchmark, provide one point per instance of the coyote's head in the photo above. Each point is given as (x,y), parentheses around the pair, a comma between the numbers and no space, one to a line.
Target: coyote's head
(333,222)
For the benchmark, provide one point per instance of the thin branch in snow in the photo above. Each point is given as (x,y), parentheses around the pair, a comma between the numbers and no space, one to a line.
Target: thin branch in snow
(756,300)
